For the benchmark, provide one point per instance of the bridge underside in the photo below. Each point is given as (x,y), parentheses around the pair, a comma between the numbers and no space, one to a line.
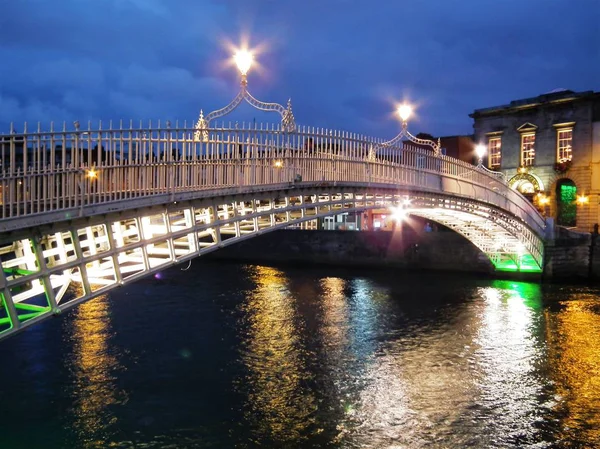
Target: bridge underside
(56,266)
(505,251)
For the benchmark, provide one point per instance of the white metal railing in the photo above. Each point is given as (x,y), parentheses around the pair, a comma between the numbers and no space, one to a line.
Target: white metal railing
(63,169)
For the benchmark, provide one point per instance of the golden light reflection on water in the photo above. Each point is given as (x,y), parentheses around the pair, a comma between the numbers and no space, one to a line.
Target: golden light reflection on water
(573,336)
(334,328)
(93,367)
(279,407)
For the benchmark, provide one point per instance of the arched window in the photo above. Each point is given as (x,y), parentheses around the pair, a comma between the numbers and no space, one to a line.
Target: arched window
(566,206)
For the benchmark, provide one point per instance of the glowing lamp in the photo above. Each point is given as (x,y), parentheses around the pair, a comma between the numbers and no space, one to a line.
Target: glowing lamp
(582,199)
(480,151)
(404,111)
(278,164)
(92,174)
(398,214)
(243,59)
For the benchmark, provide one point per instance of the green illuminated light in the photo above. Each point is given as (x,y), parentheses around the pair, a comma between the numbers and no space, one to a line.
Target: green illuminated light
(523,264)
(19,271)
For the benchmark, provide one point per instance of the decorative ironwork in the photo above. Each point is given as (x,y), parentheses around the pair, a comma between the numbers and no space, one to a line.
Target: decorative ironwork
(40,265)
(436,147)
(288,123)
(497,174)
(183,201)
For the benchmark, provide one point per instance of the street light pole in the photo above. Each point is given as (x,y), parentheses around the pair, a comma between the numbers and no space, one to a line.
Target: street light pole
(405,111)
(480,151)
(243,60)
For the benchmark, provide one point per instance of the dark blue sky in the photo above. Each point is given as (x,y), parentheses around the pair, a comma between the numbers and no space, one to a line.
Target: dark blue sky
(344,63)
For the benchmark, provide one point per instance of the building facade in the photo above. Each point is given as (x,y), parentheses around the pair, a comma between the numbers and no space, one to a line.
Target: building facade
(548,147)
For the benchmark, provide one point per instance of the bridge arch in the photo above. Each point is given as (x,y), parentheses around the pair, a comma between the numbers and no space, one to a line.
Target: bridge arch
(70,231)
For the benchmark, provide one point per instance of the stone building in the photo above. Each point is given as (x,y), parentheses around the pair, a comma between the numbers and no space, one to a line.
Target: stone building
(549,149)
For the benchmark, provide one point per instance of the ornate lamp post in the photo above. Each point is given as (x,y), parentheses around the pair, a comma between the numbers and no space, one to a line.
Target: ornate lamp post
(405,111)
(243,60)
(480,151)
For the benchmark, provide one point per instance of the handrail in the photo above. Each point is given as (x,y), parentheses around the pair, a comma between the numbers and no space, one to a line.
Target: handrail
(53,173)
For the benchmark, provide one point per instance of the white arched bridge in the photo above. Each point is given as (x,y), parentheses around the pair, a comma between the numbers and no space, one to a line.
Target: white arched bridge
(83,212)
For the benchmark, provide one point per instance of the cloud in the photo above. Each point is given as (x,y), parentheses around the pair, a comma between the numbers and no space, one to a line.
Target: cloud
(343,62)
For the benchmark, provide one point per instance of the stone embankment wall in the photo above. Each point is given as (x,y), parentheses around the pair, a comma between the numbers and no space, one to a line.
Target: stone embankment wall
(443,250)
(570,256)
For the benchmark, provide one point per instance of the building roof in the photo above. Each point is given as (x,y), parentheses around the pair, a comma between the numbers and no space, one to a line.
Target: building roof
(554,97)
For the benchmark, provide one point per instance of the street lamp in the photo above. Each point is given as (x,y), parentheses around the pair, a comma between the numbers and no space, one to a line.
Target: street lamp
(480,152)
(243,60)
(405,111)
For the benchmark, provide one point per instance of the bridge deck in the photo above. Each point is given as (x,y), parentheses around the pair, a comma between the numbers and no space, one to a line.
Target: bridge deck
(82,213)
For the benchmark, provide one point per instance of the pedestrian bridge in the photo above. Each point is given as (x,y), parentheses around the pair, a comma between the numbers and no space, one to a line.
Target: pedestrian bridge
(85,211)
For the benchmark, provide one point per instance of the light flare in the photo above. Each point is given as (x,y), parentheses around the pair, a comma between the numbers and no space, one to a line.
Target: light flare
(243,60)
(398,213)
(404,111)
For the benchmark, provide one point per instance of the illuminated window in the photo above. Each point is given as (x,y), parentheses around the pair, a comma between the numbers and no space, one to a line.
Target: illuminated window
(564,143)
(495,150)
(527,149)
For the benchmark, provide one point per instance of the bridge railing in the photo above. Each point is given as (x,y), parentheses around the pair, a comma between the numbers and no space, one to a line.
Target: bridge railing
(67,169)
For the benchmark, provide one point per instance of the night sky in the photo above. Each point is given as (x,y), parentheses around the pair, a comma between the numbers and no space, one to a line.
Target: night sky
(344,63)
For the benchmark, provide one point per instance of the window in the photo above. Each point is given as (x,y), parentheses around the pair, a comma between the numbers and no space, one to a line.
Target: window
(564,143)
(494,149)
(527,149)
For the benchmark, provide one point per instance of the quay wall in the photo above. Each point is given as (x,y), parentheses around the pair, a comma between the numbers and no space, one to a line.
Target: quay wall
(569,257)
(403,249)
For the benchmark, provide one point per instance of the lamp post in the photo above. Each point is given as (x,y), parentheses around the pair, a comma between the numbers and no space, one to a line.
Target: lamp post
(404,112)
(480,151)
(243,60)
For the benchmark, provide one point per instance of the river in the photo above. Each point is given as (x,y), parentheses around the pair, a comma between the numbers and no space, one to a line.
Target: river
(226,355)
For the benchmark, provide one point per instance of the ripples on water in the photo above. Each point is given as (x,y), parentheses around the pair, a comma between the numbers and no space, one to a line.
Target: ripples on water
(227,355)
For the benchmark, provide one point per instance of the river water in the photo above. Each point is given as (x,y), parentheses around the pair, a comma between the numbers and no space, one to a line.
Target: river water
(230,355)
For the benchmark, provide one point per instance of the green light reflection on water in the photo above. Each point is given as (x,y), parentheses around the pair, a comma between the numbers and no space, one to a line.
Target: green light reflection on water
(528,292)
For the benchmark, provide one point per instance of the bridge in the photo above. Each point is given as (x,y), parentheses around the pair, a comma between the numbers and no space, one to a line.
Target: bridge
(84,211)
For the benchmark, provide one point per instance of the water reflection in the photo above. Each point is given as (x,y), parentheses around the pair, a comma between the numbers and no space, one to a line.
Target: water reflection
(466,366)
(509,348)
(312,358)
(415,388)
(279,405)
(334,324)
(94,367)
(574,357)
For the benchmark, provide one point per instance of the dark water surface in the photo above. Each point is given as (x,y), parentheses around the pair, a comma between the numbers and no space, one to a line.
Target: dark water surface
(228,355)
